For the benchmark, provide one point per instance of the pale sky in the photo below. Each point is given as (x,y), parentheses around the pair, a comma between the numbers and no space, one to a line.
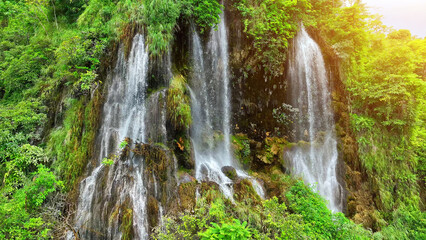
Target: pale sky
(401,14)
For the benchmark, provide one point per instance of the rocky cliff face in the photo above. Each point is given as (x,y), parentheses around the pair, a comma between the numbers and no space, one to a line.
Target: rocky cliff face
(258,141)
(254,92)
(255,95)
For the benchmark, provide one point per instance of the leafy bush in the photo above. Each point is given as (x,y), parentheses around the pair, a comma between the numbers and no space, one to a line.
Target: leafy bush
(320,221)
(18,214)
(234,230)
(71,145)
(272,24)
(389,160)
(160,19)
(161,16)
(205,13)
(306,218)
(280,224)
(407,223)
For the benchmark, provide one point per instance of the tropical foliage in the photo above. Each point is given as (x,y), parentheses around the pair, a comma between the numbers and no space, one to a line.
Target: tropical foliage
(53,60)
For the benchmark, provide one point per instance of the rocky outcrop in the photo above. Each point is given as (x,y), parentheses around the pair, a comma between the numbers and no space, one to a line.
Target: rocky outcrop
(254,92)
(230,172)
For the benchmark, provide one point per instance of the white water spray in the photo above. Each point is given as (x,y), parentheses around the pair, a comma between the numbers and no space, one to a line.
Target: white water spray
(316,159)
(211,110)
(106,189)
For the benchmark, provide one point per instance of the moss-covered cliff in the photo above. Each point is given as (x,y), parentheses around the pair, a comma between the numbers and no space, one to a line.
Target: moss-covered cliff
(57,59)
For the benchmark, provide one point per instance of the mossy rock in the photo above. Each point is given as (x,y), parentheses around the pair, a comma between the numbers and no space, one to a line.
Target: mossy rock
(273,150)
(275,182)
(152,211)
(243,190)
(156,158)
(301,144)
(178,104)
(242,149)
(230,172)
(184,151)
(126,226)
(124,214)
(126,150)
(351,208)
(211,191)
(208,186)
(187,195)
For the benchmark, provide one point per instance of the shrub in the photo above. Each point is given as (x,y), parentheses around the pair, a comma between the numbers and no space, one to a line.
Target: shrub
(234,230)
(18,215)
(272,24)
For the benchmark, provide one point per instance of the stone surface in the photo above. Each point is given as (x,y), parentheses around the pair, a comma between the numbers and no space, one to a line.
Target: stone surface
(230,172)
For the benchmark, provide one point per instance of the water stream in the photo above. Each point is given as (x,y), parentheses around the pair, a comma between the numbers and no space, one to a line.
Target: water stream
(210,108)
(107,189)
(315,157)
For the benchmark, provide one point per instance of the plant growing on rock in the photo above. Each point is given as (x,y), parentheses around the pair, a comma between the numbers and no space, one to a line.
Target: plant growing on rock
(178,108)
(272,24)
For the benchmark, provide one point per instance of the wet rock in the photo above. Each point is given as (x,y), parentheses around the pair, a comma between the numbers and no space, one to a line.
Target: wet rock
(243,189)
(187,195)
(185,155)
(186,178)
(204,172)
(210,190)
(152,211)
(230,172)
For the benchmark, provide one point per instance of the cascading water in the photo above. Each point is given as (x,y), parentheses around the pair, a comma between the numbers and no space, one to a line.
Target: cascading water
(210,108)
(156,117)
(316,160)
(107,189)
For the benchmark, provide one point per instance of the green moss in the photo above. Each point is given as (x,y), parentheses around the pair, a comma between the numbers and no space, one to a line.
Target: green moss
(241,147)
(179,117)
(152,211)
(124,214)
(187,195)
(126,226)
(268,219)
(157,159)
(183,170)
(271,25)
(72,144)
(390,164)
(178,105)
(273,151)
(244,190)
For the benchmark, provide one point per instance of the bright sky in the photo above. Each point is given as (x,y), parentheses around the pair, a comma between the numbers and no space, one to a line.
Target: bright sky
(401,14)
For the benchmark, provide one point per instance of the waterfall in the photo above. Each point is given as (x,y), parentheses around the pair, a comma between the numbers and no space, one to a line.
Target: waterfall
(316,160)
(106,190)
(156,117)
(211,110)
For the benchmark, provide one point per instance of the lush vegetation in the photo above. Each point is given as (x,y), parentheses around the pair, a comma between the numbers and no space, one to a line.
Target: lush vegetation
(53,59)
(302,215)
(51,54)
(272,24)
(384,76)
(178,109)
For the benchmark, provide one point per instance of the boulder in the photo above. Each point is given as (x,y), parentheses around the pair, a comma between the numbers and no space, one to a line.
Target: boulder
(230,172)
(186,178)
